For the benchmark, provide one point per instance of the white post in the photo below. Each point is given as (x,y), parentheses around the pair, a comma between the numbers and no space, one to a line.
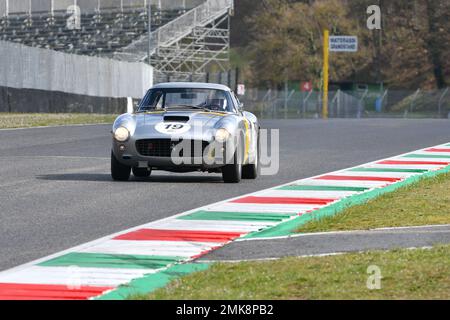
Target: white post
(130,108)
(29,7)
(7,8)
(52,7)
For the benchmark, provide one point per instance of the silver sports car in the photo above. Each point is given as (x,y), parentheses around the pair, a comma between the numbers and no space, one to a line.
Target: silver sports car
(187,127)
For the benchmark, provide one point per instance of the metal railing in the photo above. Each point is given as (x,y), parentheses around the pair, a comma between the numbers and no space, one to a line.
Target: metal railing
(89,6)
(176,29)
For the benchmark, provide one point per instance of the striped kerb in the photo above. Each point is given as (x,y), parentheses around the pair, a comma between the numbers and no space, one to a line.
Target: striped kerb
(17,291)
(97,260)
(322,188)
(179,235)
(237,216)
(427,156)
(388,170)
(355,178)
(282,200)
(406,163)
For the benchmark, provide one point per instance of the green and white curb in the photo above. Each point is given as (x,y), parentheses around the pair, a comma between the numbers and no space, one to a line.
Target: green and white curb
(147,257)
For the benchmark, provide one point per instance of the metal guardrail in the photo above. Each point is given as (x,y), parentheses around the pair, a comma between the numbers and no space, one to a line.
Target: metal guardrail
(176,29)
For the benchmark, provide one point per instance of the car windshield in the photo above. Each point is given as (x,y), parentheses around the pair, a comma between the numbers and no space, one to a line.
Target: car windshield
(185,98)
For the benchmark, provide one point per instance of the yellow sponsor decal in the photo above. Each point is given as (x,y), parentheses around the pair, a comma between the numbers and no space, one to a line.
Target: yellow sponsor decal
(247,139)
(215,114)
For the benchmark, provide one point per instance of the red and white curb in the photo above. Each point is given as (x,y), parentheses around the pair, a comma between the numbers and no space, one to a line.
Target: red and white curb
(92,269)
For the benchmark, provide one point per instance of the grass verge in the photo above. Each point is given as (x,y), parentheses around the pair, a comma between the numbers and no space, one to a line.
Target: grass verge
(28,120)
(406,274)
(426,202)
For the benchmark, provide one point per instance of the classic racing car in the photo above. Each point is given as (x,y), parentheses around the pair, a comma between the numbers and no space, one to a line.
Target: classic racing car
(187,127)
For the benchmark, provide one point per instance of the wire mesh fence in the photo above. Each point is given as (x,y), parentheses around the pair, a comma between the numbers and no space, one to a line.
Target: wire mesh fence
(279,104)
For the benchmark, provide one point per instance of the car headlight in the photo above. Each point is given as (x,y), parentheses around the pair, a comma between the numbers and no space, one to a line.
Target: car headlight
(122,134)
(222,135)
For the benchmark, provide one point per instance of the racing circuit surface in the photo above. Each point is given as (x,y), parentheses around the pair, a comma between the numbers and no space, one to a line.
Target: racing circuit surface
(56,190)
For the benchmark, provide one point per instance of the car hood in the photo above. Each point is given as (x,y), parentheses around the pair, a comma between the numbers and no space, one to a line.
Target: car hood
(204,119)
(198,124)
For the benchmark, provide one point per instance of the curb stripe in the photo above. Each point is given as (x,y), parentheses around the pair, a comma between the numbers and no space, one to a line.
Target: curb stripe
(322,188)
(152,248)
(398,162)
(234,226)
(95,277)
(345,183)
(263,207)
(237,216)
(427,156)
(437,150)
(97,260)
(279,200)
(388,170)
(357,178)
(12,291)
(306,194)
(179,235)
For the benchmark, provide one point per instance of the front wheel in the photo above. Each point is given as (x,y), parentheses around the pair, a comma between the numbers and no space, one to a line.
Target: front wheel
(232,173)
(119,172)
(251,171)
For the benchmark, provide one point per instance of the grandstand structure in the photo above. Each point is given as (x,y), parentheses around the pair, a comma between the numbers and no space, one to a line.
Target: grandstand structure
(187,36)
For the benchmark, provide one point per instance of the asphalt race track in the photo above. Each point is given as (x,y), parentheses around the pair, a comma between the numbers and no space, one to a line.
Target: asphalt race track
(56,190)
(332,243)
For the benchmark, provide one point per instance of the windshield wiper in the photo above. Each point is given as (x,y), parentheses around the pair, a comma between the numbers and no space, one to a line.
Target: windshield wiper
(150,110)
(190,107)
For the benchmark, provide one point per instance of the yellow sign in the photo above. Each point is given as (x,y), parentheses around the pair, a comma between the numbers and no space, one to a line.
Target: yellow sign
(326,37)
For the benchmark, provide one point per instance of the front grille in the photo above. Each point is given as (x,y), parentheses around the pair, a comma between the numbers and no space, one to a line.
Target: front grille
(163,147)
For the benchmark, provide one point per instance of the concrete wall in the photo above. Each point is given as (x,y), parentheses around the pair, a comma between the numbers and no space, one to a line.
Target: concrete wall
(40,101)
(25,67)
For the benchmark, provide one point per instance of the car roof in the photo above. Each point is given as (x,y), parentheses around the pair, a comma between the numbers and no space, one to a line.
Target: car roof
(191,85)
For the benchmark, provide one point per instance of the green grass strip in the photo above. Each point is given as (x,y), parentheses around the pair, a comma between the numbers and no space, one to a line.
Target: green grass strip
(147,284)
(237,216)
(321,188)
(431,156)
(289,227)
(96,260)
(388,170)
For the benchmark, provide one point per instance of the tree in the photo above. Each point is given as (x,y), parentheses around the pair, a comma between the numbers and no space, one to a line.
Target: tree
(410,51)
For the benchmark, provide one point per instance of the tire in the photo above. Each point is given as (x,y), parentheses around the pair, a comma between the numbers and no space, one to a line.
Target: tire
(142,172)
(119,172)
(251,171)
(232,173)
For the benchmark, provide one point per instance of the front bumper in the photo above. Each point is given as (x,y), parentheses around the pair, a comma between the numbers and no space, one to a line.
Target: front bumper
(127,154)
